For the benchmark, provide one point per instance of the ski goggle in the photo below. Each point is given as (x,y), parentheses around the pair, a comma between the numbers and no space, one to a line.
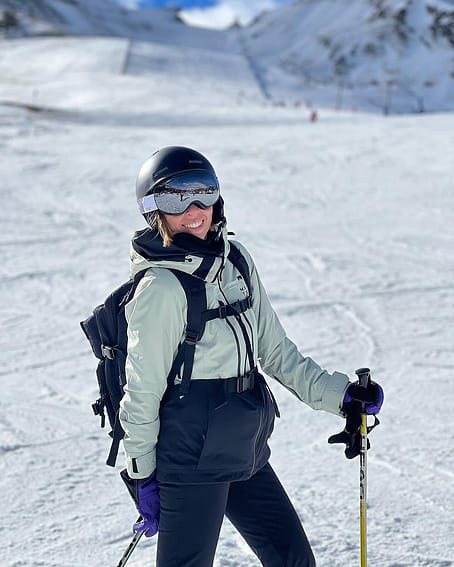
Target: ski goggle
(176,195)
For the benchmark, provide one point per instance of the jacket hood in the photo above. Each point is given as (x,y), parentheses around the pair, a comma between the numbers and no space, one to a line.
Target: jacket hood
(201,258)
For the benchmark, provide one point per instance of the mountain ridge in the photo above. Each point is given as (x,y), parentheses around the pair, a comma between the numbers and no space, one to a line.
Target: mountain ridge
(373,55)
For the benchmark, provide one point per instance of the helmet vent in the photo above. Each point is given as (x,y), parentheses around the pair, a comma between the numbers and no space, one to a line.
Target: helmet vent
(158,173)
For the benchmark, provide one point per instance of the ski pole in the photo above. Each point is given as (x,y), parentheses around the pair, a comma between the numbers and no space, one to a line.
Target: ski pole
(132,545)
(364,379)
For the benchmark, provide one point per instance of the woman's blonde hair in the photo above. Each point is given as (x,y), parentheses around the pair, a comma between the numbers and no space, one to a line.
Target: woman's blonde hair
(157,220)
(164,230)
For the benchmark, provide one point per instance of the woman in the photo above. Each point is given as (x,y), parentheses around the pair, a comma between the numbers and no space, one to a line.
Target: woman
(196,430)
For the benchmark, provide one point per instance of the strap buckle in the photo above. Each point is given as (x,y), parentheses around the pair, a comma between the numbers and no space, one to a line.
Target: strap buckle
(222,311)
(191,337)
(108,352)
(245,382)
(98,409)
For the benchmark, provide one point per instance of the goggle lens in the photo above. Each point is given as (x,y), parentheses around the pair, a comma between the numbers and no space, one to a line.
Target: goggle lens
(176,195)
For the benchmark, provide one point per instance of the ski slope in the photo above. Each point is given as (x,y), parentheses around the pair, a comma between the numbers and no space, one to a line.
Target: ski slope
(350,221)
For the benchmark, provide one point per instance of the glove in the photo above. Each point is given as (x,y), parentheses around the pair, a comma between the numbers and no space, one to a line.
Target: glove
(145,493)
(352,407)
(351,435)
(372,397)
(148,505)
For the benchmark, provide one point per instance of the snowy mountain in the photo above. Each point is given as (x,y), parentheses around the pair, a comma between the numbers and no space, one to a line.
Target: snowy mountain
(394,56)
(89,17)
(374,55)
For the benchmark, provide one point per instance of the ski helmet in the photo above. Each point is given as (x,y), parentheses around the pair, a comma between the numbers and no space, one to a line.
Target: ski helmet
(177,169)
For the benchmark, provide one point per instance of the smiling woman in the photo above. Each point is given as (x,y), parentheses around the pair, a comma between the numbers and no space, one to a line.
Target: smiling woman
(197,411)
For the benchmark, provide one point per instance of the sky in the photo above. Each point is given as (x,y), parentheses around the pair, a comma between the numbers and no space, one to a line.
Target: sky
(211,13)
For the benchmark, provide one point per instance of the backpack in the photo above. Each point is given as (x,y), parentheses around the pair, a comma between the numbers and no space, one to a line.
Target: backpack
(106,330)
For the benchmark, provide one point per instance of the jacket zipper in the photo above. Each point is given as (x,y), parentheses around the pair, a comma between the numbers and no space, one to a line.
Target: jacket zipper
(238,350)
(232,328)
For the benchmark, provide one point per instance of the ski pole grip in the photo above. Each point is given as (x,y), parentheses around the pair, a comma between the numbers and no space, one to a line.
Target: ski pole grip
(363,376)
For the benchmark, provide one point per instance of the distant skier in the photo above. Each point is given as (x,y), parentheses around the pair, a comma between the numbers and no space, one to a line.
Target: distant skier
(196,449)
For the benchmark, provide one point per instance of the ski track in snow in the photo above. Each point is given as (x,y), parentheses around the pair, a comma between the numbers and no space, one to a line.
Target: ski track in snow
(352,232)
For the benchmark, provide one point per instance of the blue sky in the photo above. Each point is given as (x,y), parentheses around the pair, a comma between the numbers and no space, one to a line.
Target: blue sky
(180,3)
(211,13)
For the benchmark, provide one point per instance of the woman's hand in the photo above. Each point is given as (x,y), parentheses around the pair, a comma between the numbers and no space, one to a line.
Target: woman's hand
(145,493)
(357,400)
(148,505)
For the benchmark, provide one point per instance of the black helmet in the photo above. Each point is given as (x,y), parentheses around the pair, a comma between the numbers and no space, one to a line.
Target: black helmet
(167,167)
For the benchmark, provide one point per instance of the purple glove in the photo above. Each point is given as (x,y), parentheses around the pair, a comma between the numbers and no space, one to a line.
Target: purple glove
(372,397)
(148,505)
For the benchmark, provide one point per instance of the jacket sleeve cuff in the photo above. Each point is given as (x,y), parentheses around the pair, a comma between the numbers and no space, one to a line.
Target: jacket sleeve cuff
(334,392)
(141,467)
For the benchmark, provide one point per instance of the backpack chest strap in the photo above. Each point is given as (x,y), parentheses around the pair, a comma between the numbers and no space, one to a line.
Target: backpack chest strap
(229,310)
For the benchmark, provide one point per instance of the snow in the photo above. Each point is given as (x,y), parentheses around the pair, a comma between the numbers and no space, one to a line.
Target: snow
(350,221)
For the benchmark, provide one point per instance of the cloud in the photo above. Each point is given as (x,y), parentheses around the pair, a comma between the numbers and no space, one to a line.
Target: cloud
(227,12)
(219,14)
(128,3)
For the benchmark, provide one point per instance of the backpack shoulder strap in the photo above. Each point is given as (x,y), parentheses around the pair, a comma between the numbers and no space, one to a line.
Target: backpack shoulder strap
(122,327)
(132,290)
(194,289)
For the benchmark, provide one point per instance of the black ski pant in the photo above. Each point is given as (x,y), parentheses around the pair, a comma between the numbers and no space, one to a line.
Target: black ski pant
(191,518)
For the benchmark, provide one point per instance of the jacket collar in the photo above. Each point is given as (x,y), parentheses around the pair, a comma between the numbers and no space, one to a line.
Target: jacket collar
(201,258)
